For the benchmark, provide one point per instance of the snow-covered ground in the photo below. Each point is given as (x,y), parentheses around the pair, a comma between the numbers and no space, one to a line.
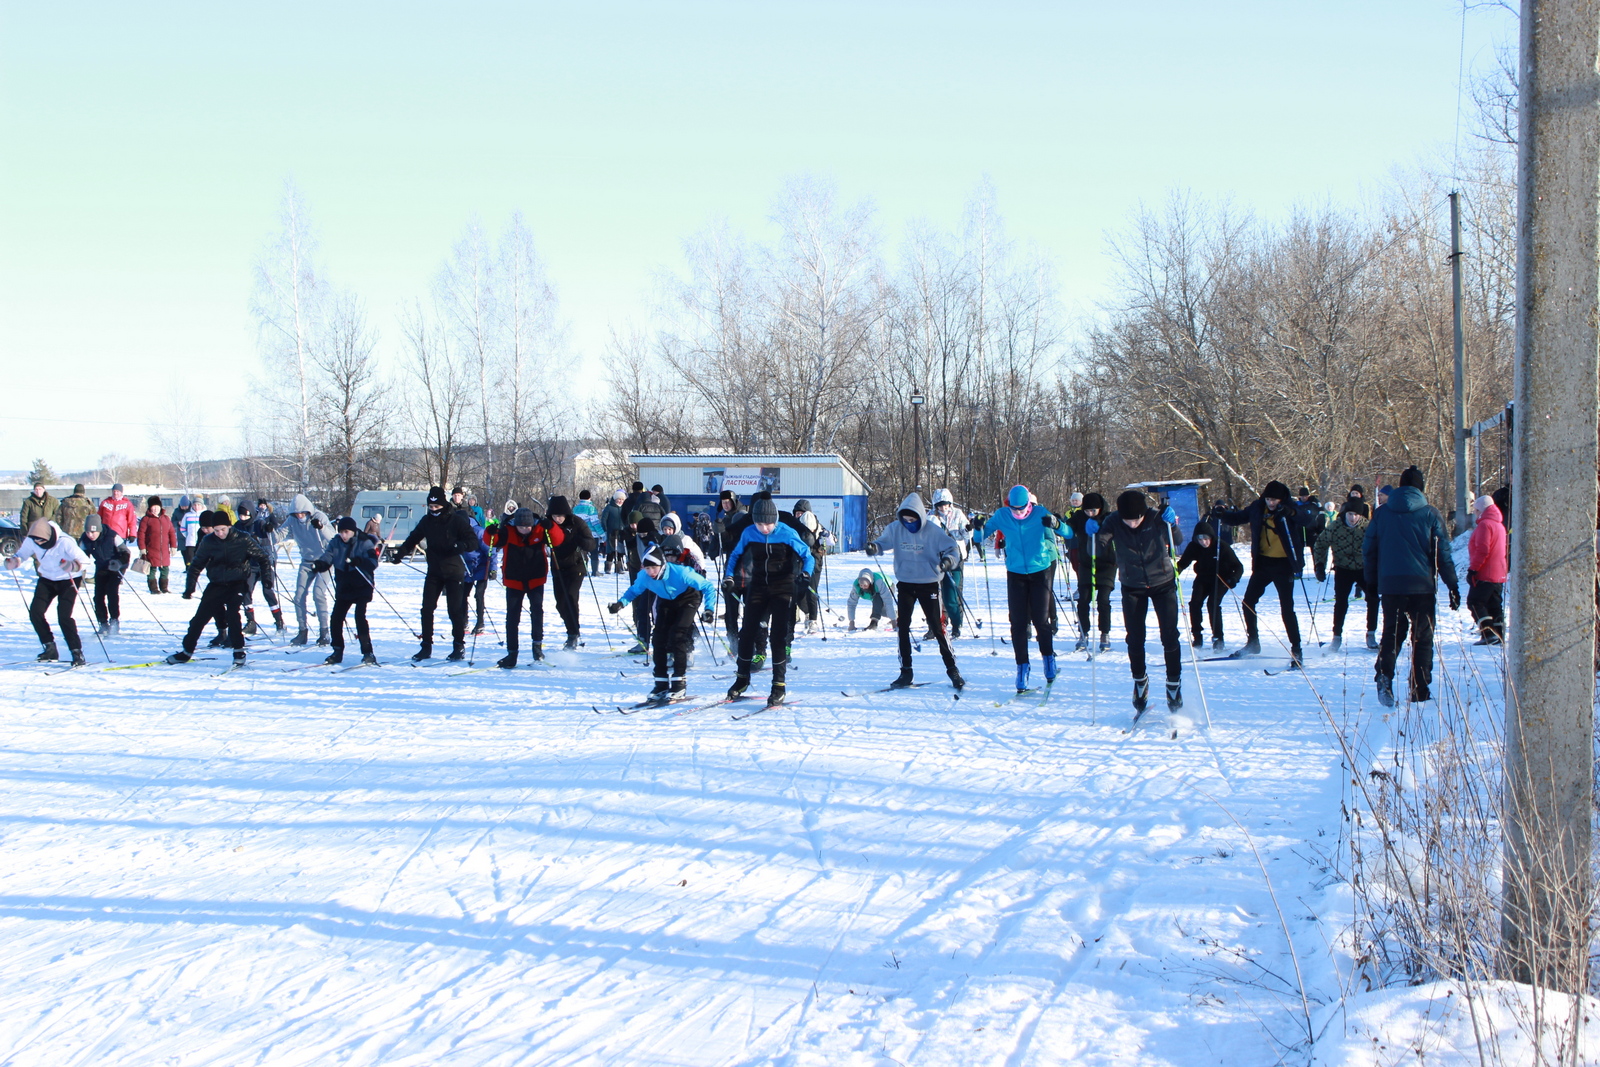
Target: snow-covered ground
(419,866)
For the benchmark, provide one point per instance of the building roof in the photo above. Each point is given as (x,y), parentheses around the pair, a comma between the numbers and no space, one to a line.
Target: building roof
(1169,485)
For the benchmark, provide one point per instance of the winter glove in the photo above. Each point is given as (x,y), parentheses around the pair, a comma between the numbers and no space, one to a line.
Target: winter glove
(1472,577)
(1169,516)
(873,549)
(320,565)
(614,607)
(1091,527)
(398,560)
(316,524)
(708,615)
(1050,521)
(948,563)
(1455,599)
(1322,576)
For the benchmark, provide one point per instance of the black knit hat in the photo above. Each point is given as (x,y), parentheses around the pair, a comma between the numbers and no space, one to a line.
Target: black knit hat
(1357,488)
(801,505)
(638,487)
(585,495)
(1276,490)
(763,510)
(1358,507)
(1094,500)
(1132,504)
(671,546)
(208,519)
(1415,478)
(347,523)
(1305,490)
(523,517)
(558,506)
(653,557)
(437,495)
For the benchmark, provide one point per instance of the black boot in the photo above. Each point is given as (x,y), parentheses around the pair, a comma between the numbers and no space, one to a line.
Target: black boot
(903,681)
(1252,647)
(277,619)
(536,651)
(425,652)
(369,659)
(1385,691)
(572,643)
(457,654)
(178,657)
(660,690)
(77,658)
(238,657)
(1141,693)
(337,657)
(250,627)
(680,688)
(956,679)
(49,655)
(741,682)
(1174,696)
(323,640)
(300,638)
(508,661)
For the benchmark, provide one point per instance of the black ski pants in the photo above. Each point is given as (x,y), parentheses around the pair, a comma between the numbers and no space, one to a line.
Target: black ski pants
(1135,606)
(1417,609)
(64,591)
(107,596)
(341,608)
(268,577)
(1278,573)
(478,589)
(1092,590)
(1343,582)
(455,605)
(1205,598)
(568,583)
(1028,599)
(220,601)
(909,595)
(1486,601)
(674,636)
(514,599)
(771,609)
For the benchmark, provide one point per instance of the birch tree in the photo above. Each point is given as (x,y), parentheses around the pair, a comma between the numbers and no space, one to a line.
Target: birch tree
(288,305)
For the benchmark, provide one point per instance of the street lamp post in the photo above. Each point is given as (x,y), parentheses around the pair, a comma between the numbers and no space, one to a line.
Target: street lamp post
(917,401)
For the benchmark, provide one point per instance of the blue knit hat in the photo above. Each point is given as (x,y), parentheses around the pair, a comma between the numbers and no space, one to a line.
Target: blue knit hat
(1018,497)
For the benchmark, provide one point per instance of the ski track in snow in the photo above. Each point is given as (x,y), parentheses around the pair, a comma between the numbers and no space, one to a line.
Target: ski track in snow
(399,867)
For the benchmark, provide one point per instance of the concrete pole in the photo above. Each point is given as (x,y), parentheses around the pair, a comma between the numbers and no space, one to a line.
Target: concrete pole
(1550,642)
(1462,515)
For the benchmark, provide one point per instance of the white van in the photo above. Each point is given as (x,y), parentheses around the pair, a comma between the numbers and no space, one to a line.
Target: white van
(397,510)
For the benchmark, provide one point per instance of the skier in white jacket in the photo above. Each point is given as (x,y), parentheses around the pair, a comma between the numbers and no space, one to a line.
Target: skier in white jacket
(57,560)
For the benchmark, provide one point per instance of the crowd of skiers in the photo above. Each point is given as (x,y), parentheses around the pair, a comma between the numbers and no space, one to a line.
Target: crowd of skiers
(765,566)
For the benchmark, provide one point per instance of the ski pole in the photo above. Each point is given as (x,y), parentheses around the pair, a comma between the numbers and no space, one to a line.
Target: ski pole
(392,608)
(151,610)
(1177,576)
(100,640)
(994,649)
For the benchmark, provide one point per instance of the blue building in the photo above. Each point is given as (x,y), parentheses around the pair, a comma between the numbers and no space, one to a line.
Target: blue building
(837,494)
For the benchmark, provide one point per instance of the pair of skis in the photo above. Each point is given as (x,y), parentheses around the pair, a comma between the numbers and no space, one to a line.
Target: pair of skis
(1042,692)
(646,704)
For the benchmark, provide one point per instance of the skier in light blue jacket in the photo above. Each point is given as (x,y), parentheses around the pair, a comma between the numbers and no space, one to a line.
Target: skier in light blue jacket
(683,598)
(1030,538)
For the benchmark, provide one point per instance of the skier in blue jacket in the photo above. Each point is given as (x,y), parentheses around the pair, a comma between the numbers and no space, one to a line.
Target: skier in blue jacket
(1030,534)
(681,595)
(763,570)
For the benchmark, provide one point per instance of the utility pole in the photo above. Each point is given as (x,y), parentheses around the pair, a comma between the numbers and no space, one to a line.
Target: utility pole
(916,444)
(1550,643)
(1463,514)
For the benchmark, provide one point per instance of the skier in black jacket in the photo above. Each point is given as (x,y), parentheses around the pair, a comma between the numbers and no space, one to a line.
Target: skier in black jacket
(225,556)
(567,560)
(1406,554)
(1140,540)
(449,536)
(352,556)
(1216,570)
(1096,571)
(1274,558)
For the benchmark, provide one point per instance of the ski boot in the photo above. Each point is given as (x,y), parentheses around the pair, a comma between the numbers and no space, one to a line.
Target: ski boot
(1372,639)
(336,657)
(1385,691)
(1022,677)
(457,654)
(1197,641)
(1418,695)
(903,681)
(369,659)
(1252,647)
(425,652)
(537,652)
(659,691)
(250,627)
(1141,693)
(1083,643)
(1218,644)
(49,655)
(1174,696)
(955,632)
(740,683)
(104,628)
(179,657)
(571,644)
(300,638)
(277,619)
(1295,662)
(956,679)
(77,657)
(1336,643)
(758,661)
(116,627)
(1105,641)
(238,657)
(776,694)
(1049,668)
(679,690)
(323,640)
(636,650)
(507,662)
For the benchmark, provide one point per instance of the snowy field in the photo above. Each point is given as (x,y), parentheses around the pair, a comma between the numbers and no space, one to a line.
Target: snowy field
(422,866)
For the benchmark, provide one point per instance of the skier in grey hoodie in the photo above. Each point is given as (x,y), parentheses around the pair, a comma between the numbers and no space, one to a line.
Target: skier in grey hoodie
(923,553)
(311,531)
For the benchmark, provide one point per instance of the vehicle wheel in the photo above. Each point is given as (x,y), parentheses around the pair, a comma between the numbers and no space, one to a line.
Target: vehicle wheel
(9,544)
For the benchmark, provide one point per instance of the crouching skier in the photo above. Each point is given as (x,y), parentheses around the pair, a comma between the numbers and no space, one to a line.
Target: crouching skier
(682,597)
(224,556)
(923,554)
(876,591)
(352,556)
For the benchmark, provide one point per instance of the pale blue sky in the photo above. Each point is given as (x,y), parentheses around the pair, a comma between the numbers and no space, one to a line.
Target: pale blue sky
(145,146)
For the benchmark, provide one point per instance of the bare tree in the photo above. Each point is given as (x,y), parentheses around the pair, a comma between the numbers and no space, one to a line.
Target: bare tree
(352,402)
(178,438)
(287,306)
(443,397)
(468,307)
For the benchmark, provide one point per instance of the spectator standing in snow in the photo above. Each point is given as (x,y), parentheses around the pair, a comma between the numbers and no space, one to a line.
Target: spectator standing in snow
(585,510)
(1407,553)
(73,511)
(119,515)
(57,561)
(39,505)
(924,552)
(613,527)
(1345,539)
(157,539)
(1029,533)
(1487,566)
